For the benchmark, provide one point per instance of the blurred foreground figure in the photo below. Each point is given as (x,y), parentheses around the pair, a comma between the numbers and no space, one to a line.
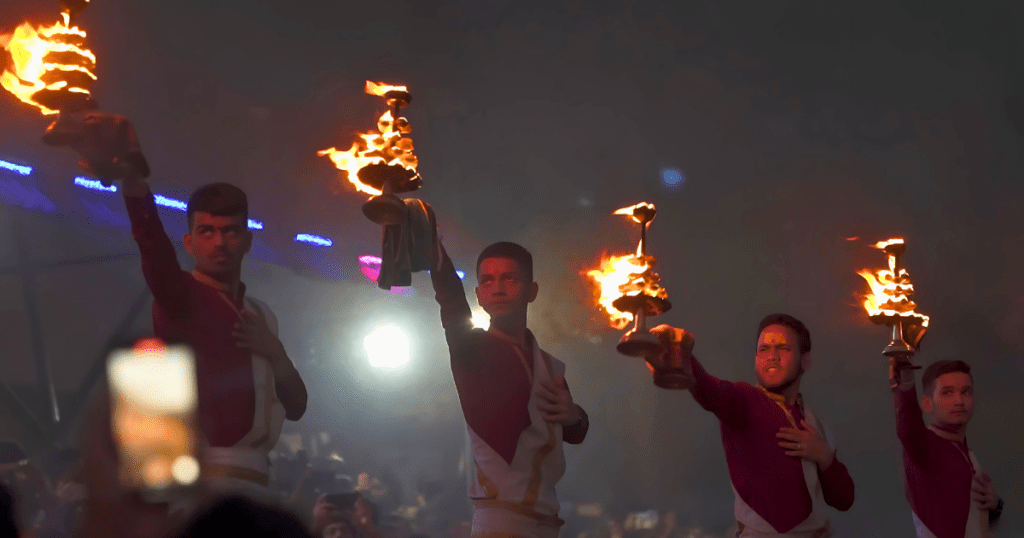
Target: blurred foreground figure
(951,497)
(514,396)
(247,384)
(781,459)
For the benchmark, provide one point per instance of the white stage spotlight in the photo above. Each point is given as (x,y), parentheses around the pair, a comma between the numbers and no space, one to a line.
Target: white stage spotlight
(387,347)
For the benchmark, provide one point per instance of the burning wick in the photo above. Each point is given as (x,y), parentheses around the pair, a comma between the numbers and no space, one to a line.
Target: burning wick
(382,163)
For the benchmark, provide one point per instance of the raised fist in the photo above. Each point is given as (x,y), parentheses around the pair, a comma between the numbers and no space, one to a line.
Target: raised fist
(109,147)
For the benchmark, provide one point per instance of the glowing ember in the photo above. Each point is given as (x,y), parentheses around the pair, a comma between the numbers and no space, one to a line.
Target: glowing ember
(380,88)
(891,294)
(385,146)
(47,61)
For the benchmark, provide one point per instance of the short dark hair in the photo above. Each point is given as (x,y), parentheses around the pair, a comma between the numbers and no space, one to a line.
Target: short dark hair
(940,368)
(513,251)
(788,321)
(218,199)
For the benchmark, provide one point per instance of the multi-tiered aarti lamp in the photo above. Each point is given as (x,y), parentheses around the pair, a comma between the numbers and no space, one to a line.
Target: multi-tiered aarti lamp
(627,288)
(891,302)
(382,163)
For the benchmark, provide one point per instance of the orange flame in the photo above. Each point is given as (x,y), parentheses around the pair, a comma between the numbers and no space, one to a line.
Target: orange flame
(380,88)
(617,276)
(39,54)
(630,211)
(891,292)
(386,145)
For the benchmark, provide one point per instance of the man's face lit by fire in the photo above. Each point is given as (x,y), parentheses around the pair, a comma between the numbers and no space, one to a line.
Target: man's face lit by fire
(778,362)
(502,289)
(951,402)
(218,244)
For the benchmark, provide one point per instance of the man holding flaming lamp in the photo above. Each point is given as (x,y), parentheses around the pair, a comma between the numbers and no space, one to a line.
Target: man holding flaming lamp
(517,405)
(247,384)
(949,494)
(782,461)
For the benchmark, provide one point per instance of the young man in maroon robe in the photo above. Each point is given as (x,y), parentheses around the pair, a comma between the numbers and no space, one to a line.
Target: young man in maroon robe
(517,406)
(950,496)
(782,462)
(247,384)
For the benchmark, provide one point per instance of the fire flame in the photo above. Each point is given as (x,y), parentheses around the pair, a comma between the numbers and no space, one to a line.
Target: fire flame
(891,292)
(43,58)
(624,275)
(386,145)
(631,211)
(380,88)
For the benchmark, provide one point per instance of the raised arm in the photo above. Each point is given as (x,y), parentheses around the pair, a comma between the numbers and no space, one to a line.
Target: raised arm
(159,260)
(910,426)
(110,150)
(723,398)
(456,316)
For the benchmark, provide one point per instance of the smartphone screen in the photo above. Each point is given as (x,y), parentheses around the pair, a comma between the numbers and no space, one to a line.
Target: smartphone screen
(153,406)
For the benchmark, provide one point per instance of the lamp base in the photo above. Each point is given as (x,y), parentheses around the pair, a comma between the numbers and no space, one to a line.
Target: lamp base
(672,379)
(640,343)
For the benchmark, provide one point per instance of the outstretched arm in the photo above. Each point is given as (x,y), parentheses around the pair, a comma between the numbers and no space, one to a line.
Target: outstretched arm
(723,398)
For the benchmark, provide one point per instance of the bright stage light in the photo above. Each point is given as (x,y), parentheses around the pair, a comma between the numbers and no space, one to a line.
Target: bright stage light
(387,347)
(480,319)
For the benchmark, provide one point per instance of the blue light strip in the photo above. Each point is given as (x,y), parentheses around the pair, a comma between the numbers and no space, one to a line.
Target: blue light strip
(94,184)
(169,202)
(461,273)
(314,240)
(16,168)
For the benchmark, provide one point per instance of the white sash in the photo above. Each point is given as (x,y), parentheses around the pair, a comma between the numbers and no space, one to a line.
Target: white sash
(816,525)
(526,486)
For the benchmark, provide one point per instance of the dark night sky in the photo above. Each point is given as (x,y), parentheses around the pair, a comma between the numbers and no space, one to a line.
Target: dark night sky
(796,124)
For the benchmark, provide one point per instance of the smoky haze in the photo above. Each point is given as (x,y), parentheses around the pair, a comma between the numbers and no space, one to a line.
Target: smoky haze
(796,127)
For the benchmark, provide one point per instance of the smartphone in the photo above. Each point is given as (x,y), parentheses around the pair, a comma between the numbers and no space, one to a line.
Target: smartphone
(343,501)
(153,397)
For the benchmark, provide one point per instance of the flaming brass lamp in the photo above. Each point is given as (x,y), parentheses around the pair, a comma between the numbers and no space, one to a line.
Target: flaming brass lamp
(390,179)
(639,342)
(891,302)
